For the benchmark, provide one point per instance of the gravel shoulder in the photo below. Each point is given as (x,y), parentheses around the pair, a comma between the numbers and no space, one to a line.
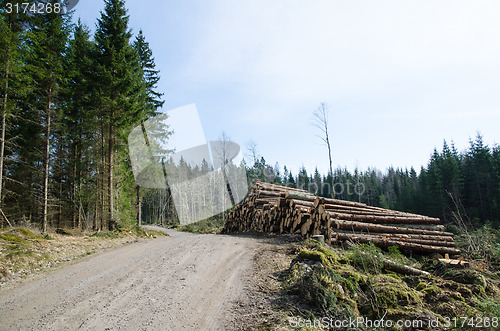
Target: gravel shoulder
(181,282)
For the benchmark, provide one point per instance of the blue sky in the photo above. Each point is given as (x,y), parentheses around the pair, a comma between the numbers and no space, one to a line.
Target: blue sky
(399,76)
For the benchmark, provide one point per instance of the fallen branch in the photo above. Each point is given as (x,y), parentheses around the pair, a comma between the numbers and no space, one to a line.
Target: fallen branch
(5,218)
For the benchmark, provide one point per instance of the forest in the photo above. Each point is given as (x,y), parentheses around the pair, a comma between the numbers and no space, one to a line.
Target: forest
(465,184)
(69,99)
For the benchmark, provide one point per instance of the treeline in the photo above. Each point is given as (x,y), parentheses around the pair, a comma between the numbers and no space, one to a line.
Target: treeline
(68,102)
(464,184)
(69,99)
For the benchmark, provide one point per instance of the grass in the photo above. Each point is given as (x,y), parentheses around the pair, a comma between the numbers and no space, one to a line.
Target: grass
(210,225)
(24,251)
(105,234)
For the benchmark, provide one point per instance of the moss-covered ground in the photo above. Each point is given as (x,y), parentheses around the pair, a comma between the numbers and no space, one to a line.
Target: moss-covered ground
(340,285)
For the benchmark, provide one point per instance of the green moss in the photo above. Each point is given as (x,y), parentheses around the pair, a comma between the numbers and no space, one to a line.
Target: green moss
(105,234)
(27,234)
(488,306)
(352,283)
(140,231)
(465,276)
(392,292)
(366,258)
(332,256)
(429,289)
(318,256)
(10,237)
(18,235)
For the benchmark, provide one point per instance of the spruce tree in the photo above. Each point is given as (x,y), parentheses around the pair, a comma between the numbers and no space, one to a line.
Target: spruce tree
(120,83)
(12,82)
(151,76)
(47,44)
(79,122)
(151,101)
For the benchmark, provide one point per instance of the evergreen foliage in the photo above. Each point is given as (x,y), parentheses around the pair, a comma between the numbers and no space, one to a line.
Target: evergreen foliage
(68,104)
(468,182)
(69,99)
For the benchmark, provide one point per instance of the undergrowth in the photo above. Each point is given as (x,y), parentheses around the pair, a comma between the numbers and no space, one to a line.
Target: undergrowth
(23,251)
(348,284)
(210,225)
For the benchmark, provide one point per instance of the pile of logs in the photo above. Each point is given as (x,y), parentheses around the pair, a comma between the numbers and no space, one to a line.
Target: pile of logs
(272,208)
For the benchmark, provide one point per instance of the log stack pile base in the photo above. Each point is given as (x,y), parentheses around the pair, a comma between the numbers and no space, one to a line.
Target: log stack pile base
(278,209)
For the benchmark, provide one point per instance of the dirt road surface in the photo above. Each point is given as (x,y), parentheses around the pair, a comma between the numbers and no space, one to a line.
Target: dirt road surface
(181,282)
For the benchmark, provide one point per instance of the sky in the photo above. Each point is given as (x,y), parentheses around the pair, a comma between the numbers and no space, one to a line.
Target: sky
(399,76)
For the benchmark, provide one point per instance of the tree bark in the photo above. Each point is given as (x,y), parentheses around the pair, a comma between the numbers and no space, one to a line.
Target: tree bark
(103,180)
(382,219)
(139,216)
(370,227)
(111,220)
(4,117)
(46,164)
(404,245)
(3,128)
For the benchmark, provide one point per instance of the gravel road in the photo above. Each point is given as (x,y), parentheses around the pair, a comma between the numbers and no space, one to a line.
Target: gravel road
(181,282)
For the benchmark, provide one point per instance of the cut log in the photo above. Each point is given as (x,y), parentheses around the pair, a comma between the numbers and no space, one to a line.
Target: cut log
(382,219)
(300,196)
(403,269)
(370,227)
(279,209)
(399,268)
(403,245)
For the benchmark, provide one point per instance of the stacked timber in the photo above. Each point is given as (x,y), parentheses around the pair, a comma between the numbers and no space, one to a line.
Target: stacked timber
(273,208)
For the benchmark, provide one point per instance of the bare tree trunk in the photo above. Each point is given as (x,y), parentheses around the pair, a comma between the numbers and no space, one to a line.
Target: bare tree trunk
(330,159)
(3,128)
(96,210)
(103,176)
(73,189)
(3,124)
(320,120)
(59,216)
(138,205)
(78,187)
(111,221)
(46,166)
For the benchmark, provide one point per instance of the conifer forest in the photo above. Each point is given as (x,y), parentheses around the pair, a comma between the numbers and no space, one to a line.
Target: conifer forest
(69,99)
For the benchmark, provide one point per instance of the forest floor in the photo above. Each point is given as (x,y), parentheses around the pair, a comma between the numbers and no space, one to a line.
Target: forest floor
(25,252)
